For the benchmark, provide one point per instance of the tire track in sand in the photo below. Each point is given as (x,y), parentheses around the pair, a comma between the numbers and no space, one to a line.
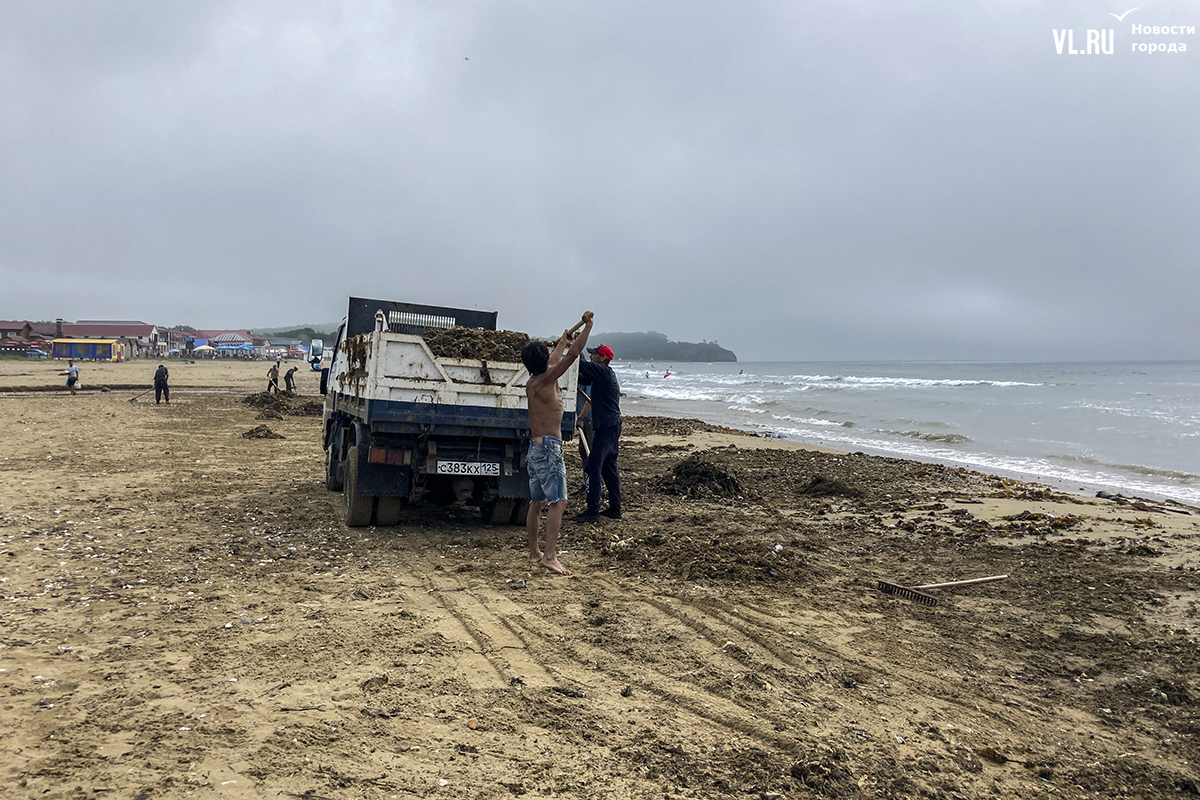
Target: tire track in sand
(641,680)
(492,658)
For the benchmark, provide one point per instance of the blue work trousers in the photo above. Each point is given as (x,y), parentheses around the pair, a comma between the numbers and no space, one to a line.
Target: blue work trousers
(602,466)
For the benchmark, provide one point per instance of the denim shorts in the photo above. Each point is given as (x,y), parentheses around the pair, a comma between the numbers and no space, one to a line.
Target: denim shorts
(547,471)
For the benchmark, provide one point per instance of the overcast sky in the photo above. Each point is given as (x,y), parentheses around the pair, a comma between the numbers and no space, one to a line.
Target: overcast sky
(874,179)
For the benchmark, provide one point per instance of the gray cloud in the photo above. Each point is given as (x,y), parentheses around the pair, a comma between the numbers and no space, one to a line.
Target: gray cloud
(852,180)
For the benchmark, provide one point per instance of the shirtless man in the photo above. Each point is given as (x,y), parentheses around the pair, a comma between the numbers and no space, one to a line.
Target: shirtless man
(547,471)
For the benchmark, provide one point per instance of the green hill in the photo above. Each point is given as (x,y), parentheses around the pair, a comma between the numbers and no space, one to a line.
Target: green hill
(654,346)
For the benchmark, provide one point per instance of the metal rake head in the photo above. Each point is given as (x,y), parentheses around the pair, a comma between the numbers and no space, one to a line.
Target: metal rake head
(907,593)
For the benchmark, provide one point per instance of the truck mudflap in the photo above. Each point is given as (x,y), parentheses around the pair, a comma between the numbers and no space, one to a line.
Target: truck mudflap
(516,485)
(385,480)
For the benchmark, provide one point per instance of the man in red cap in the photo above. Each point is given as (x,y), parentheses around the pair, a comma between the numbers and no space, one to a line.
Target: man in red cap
(606,426)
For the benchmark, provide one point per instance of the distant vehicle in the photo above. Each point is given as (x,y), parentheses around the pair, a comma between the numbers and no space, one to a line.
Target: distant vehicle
(33,352)
(402,424)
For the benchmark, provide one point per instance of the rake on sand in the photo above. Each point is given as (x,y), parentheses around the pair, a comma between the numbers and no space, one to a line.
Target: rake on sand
(918,592)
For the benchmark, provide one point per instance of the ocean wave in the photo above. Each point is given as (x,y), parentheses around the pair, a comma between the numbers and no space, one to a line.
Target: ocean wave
(925,423)
(1137,469)
(686,393)
(873,383)
(1179,417)
(922,383)
(941,438)
(833,423)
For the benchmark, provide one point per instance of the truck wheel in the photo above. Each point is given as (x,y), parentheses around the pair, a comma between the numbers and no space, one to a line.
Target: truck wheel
(520,511)
(498,511)
(333,469)
(356,508)
(387,510)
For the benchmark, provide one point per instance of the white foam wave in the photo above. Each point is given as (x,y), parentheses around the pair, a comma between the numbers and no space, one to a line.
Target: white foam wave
(1176,417)
(811,421)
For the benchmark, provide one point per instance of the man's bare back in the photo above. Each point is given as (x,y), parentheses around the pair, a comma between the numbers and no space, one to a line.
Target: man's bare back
(542,392)
(545,406)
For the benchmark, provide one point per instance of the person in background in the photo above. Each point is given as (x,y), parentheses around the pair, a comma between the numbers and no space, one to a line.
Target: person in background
(273,379)
(601,466)
(72,373)
(289,380)
(161,390)
(544,458)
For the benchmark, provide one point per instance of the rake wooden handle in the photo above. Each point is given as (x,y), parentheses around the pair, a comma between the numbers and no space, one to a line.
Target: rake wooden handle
(960,583)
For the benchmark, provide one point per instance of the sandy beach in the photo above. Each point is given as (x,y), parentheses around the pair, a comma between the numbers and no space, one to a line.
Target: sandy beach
(185,615)
(200,374)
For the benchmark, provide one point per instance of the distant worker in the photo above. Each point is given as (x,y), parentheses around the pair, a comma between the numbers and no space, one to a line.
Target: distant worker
(72,373)
(289,380)
(273,379)
(544,459)
(161,390)
(278,359)
(606,434)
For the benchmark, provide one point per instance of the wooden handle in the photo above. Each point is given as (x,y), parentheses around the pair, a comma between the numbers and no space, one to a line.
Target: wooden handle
(961,583)
(582,321)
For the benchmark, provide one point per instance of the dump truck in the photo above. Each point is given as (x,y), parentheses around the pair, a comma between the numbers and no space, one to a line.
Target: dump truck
(402,424)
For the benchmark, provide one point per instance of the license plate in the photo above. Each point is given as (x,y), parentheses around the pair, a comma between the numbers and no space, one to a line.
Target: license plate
(467,468)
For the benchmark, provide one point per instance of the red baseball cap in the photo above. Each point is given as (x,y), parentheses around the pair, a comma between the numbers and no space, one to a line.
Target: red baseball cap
(603,350)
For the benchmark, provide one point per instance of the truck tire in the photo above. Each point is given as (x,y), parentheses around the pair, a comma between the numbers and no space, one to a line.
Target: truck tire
(387,510)
(520,511)
(333,469)
(498,511)
(356,508)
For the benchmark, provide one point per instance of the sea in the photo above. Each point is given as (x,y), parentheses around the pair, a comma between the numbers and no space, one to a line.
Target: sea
(1125,427)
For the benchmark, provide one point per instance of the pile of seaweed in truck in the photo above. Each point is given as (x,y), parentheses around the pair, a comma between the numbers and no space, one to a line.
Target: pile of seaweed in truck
(478,343)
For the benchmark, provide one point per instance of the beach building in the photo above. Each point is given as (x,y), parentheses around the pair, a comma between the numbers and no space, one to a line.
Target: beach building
(176,341)
(288,348)
(44,333)
(33,333)
(138,338)
(89,349)
(15,329)
(236,344)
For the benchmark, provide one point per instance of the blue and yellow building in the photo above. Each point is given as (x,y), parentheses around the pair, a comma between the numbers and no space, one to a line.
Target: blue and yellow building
(89,349)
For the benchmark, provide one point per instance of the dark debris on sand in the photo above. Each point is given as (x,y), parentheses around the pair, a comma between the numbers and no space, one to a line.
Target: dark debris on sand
(309,408)
(261,432)
(270,400)
(822,486)
(695,475)
(662,426)
(477,343)
(277,406)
